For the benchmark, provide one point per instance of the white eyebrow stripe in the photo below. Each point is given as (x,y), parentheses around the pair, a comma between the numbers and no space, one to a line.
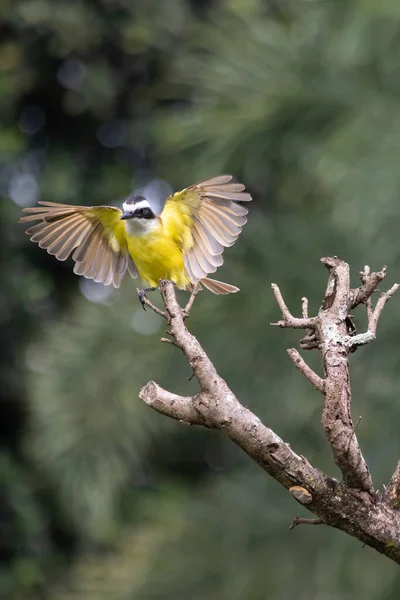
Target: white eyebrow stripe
(133,207)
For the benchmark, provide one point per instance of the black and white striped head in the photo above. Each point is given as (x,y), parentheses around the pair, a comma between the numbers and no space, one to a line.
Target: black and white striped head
(137,207)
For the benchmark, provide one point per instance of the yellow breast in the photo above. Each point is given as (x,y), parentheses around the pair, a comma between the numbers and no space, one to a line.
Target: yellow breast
(156,252)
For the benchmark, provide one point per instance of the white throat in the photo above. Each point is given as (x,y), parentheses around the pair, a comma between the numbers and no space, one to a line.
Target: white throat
(138,227)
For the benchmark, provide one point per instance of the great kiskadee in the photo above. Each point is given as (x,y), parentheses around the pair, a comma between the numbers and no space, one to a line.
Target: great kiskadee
(183,244)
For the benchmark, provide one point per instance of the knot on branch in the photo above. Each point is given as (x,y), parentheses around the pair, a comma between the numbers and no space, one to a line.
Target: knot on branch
(301,494)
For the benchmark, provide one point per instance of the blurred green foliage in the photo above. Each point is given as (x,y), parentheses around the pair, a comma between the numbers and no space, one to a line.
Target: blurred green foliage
(102,498)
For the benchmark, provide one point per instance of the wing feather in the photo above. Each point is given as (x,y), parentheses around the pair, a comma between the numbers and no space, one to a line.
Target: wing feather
(105,273)
(224,238)
(88,260)
(95,236)
(204,263)
(188,269)
(55,243)
(41,230)
(228,224)
(228,238)
(218,180)
(49,235)
(215,260)
(195,267)
(119,268)
(228,187)
(214,248)
(226,215)
(99,256)
(236,196)
(45,214)
(69,244)
(211,219)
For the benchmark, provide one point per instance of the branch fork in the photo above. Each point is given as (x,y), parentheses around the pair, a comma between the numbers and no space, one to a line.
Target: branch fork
(351,505)
(332,332)
(168,314)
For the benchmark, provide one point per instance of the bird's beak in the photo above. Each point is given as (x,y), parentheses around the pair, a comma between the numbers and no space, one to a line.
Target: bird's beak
(126,215)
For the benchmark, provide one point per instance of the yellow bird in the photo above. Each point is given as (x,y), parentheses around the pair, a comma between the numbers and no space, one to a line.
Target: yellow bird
(183,244)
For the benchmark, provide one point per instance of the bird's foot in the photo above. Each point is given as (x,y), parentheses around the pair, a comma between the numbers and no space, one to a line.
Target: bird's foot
(142,295)
(163,282)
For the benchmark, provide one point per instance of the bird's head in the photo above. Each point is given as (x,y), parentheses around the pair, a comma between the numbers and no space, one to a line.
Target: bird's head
(136,207)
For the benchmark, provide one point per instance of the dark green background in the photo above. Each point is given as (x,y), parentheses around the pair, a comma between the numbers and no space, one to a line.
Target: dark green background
(103,499)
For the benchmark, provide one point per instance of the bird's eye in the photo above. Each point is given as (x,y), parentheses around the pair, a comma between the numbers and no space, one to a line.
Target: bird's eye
(147,213)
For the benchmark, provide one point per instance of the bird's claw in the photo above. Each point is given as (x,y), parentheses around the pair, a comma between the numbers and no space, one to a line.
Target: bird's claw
(163,282)
(142,295)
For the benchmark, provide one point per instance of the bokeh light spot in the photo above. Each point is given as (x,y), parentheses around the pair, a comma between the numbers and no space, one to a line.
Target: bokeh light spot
(71,74)
(23,189)
(146,322)
(95,292)
(31,120)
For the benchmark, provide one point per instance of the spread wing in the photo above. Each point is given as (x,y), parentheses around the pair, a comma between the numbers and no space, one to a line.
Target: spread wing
(95,235)
(210,218)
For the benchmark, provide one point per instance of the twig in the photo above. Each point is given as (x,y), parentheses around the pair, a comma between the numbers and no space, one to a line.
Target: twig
(373,317)
(309,341)
(297,520)
(354,430)
(383,298)
(369,284)
(288,319)
(370,310)
(304,307)
(188,307)
(307,371)
(153,307)
(165,340)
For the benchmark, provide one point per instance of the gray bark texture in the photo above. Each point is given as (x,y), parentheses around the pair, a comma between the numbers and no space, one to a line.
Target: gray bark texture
(352,504)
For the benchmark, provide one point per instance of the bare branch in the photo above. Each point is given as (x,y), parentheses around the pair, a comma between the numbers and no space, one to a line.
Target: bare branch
(153,307)
(351,505)
(309,341)
(304,308)
(303,367)
(332,331)
(288,319)
(297,520)
(369,284)
(165,340)
(383,298)
(177,407)
(188,307)
(373,317)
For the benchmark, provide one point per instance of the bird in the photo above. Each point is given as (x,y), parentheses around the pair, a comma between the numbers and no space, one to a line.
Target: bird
(183,244)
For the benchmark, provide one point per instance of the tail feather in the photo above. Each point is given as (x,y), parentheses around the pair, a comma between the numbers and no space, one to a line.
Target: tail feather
(218,287)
